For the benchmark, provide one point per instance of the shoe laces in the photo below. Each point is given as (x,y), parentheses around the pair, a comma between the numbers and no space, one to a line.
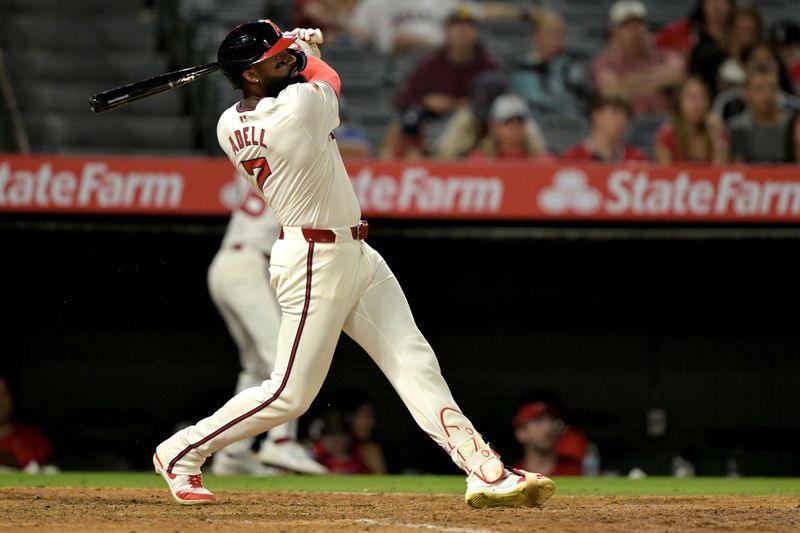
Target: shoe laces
(196,481)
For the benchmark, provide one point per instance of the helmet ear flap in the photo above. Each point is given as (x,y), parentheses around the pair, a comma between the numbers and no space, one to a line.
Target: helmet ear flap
(301,58)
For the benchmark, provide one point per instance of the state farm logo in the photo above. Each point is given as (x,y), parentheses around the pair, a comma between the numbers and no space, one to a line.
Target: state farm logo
(95,184)
(416,189)
(570,191)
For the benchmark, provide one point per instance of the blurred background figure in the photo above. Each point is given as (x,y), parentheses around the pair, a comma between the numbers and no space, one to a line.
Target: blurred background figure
(609,117)
(512,134)
(331,16)
(759,134)
(399,27)
(439,84)
(707,24)
(551,81)
(747,29)
(785,38)
(731,102)
(467,126)
(549,445)
(21,446)
(343,435)
(718,56)
(693,134)
(631,66)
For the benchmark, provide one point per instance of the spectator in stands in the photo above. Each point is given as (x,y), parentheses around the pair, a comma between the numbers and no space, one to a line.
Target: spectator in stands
(550,80)
(693,134)
(331,16)
(21,446)
(759,134)
(397,27)
(764,52)
(512,133)
(747,29)
(785,38)
(631,66)
(718,58)
(440,83)
(731,102)
(609,116)
(343,436)
(707,23)
(793,139)
(549,445)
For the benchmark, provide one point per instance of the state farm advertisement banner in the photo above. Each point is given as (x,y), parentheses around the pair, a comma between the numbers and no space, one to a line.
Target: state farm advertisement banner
(425,190)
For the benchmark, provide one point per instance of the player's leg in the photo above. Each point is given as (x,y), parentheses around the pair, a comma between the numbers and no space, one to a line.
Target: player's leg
(310,285)
(238,285)
(383,325)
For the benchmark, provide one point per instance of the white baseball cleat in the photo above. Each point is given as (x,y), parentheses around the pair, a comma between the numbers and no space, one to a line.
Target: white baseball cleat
(185,489)
(290,455)
(517,489)
(227,464)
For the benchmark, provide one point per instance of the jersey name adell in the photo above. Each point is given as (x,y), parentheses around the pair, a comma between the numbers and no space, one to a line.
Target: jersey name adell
(285,148)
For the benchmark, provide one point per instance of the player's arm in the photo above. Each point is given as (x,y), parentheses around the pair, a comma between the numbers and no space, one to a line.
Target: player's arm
(308,41)
(317,70)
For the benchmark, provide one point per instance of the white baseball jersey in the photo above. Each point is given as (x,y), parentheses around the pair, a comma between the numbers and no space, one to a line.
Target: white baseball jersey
(285,148)
(253,223)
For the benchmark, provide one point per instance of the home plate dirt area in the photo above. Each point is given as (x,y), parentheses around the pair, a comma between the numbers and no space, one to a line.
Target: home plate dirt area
(138,510)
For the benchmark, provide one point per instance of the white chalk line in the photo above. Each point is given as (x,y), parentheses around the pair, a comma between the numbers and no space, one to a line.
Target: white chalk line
(372,522)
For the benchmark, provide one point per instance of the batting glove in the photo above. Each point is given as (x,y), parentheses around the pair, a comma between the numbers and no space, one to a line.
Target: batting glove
(308,40)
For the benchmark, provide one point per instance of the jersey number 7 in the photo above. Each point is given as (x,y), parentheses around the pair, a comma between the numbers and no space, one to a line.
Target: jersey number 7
(259,169)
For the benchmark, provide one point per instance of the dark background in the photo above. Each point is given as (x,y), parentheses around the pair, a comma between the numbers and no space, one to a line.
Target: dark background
(109,337)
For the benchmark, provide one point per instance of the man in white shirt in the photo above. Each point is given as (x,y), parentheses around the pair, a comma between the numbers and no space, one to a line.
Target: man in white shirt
(327,279)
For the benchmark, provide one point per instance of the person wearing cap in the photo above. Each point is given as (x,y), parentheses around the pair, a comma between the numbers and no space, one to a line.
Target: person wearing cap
(512,134)
(548,444)
(609,116)
(441,81)
(631,66)
(439,84)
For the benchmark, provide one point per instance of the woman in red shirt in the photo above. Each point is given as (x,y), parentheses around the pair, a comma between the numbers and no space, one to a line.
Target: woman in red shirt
(692,134)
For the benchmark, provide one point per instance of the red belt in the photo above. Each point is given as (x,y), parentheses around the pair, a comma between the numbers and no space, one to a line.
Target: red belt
(358,232)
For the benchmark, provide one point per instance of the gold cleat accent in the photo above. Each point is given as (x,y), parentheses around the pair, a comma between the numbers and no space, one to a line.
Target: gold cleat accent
(532,492)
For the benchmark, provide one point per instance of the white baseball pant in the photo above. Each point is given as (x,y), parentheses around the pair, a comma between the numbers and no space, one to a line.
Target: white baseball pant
(324,288)
(238,282)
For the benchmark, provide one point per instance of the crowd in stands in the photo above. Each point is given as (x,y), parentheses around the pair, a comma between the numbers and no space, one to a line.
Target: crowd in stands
(716,87)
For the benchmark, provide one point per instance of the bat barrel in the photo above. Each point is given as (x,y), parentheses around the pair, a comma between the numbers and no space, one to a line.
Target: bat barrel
(126,94)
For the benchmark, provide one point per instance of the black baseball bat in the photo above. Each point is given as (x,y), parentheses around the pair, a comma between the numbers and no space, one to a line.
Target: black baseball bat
(126,94)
